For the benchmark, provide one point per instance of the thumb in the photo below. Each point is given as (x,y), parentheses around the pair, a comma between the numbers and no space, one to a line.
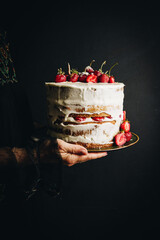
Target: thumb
(72,148)
(77,149)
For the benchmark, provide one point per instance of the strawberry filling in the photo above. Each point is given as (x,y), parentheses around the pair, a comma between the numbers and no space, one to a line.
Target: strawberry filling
(80,119)
(99,119)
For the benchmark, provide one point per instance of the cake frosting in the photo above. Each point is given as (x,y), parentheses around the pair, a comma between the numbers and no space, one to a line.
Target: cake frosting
(69,101)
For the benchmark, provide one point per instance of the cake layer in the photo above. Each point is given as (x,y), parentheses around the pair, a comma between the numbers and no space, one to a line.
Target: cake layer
(86,133)
(68,98)
(94,145)
(68,101)
(102,114)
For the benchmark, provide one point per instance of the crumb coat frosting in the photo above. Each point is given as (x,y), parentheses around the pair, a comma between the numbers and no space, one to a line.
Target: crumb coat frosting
(67,98)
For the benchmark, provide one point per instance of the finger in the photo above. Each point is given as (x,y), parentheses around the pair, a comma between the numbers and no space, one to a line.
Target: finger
(83,158)
(72,148)
(77,149)
(73,159)
(91,156)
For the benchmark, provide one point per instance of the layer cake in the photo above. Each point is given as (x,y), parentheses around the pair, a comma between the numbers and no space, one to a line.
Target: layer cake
(85,113)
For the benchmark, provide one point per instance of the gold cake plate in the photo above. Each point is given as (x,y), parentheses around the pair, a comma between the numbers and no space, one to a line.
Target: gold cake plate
(134,140)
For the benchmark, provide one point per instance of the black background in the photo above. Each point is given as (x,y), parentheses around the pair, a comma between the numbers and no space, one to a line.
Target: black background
(118,194)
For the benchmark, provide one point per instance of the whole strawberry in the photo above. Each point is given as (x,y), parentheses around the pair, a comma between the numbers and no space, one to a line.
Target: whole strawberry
(73,77)
(73,74)
(60,77)
(128,136)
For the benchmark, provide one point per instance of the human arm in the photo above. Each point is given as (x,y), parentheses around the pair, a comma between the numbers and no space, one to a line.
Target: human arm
(71,154)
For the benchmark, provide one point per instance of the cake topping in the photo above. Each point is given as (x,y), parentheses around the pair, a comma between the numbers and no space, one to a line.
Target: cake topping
(60,77)
(104,78)
(72,74)
(111,78)
(91,79)
(89,69)
(83,76)
(89,75)
(99,72)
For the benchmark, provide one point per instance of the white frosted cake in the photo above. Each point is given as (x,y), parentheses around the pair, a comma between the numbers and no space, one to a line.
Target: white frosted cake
(89,114)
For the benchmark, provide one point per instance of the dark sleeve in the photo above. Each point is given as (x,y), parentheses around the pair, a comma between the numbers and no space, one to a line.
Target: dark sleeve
(16,124)
(16,129)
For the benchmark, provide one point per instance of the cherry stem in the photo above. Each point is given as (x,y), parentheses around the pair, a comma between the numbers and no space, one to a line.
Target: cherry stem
(102,65)
(60,71)
(91,63)
(69,69)
(112,67)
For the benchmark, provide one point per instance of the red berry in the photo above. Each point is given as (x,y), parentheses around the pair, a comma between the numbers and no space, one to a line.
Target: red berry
(80,119)
(73,77)
(97,73)
(104,78)
(89,69)
(128,136)
(111,79)
(82,77)
(99,119)
(60,78)
(124,115)
(91,78)
(120,139)
(125,126)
